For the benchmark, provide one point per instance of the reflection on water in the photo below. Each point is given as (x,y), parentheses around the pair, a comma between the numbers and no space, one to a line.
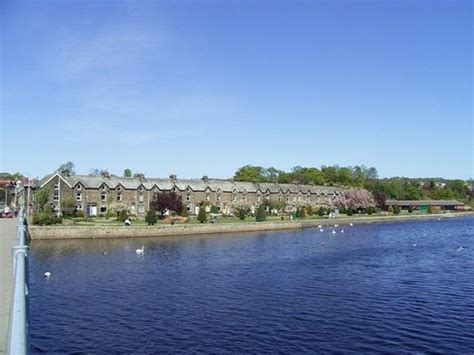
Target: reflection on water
(386,288)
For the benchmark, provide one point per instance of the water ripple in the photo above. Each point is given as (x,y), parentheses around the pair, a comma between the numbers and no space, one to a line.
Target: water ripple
(369,290)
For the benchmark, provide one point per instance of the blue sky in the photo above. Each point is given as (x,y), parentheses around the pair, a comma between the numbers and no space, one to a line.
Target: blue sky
(203,87)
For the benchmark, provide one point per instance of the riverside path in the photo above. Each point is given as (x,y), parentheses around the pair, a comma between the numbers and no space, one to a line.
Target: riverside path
(8,235)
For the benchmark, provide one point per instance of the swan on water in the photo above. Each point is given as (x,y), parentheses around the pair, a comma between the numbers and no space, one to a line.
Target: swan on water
(460,249)
(351,224)
(321,230)
(47,274)
(414,245)
(333,231)
(342,230)
(140,251)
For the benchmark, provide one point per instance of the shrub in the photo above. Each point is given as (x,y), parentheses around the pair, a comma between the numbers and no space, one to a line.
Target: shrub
(370,210)
(396,209)
(410,209)
(321,211)
(214,209)
(430,209)
(122,215)
(79,214)
(309,210)
(150,217)
(390,209)
(261,214)
(349,212)
(45,219)
(202,215)
(302,213)
(184,212)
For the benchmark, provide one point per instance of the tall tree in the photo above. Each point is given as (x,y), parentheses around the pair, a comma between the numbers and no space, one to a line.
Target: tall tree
(127,173)
(67,167)
(249,173)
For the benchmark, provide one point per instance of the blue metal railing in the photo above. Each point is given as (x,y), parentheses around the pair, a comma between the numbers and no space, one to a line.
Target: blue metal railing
(18,336)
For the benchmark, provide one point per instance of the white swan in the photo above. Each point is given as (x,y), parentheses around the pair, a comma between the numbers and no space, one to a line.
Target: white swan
(351,224)
(342,230)
(47,274)
(321,230)
(333,231)
(140,251)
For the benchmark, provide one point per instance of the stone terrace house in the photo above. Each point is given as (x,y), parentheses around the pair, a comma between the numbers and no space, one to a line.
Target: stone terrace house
(96,195)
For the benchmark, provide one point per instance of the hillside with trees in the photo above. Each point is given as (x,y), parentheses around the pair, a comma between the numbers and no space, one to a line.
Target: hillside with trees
(400,188)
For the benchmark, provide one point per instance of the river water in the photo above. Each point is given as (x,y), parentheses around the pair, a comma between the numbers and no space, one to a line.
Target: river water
(393,287)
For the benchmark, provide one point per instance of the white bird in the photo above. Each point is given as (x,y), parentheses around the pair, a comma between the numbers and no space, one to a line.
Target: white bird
(47,274)
(321,230)
(333,231)
(414,245)
(104,253)
(342,230)
(140,251)
(320,226)
(460,249)
(336,225)
(351,224)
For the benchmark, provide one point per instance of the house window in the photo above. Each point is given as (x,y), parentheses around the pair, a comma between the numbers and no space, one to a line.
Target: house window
(78,196)
(141,209)
(188,194)
(218,198)
(78,207)
(208,195)
(119,196)
(244,195)
(56,186)
(234,195)
(140,197)
(56,195)
(103,209)
(79,187)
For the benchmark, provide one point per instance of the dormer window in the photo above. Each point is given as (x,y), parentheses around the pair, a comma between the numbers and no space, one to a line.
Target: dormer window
(218,194)
(79,187)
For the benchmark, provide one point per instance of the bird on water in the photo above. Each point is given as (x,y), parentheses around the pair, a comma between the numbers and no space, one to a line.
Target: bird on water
(47,274)
(140,251)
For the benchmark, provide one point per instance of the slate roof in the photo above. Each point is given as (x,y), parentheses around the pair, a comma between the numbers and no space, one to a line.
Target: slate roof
(133,183)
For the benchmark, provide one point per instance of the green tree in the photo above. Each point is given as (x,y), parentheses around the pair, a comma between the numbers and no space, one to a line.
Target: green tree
(42,197)
(302,213)
(202,215)
(214,209)
(151,218)
(321,211)
(261,214)
(127,173)
(396,209)
(249,173)
(66,168)
(241,211)
(122,215)
(309,210)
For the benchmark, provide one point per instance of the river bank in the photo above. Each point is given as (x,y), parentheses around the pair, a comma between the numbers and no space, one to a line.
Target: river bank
(92,232)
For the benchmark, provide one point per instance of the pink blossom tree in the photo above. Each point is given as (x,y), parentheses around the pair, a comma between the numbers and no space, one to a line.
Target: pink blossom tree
(355,199)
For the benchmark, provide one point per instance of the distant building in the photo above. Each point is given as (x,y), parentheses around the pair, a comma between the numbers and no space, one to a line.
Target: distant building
(97,195)
(423,205)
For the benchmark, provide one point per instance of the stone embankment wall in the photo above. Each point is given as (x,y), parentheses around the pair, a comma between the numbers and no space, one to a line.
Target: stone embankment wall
(90,232)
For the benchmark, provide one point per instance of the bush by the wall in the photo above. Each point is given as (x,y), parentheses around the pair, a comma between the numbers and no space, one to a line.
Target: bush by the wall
(261,214)
(45,219)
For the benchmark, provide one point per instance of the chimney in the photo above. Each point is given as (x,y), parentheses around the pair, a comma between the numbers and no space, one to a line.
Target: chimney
(105,174)
(173,177)
(66,172)
(205,178)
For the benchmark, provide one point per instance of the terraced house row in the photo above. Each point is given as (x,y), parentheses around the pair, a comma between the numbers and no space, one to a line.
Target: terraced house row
(97,195)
